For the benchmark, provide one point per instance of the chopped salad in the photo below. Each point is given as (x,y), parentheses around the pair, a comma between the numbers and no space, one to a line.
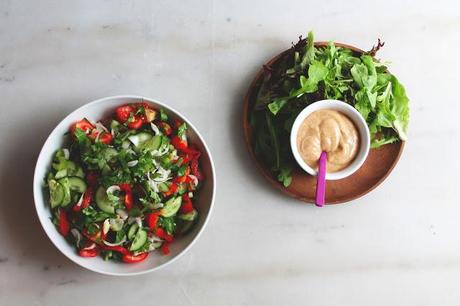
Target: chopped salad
(124,187)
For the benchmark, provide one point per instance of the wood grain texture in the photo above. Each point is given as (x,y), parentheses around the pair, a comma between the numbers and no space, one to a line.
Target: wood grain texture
(375,169)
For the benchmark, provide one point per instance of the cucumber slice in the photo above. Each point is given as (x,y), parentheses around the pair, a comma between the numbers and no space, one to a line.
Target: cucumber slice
(77,184)
(155,245)
(152,144)
(61,173)
(56,193)
(191,216)
(110,153)
(139,138)
(49,177)
(103,202)
(171,207)
(116,224)
(69,165)
(132,231)
(186,221)
(139,240)
(165,140)
(79,172)
(106,169)
(114,125)
(163,187)
(184,226)
(61,154)
(166,162)
(66,186)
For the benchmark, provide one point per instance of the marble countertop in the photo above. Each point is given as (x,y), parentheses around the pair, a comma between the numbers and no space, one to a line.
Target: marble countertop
(399,245)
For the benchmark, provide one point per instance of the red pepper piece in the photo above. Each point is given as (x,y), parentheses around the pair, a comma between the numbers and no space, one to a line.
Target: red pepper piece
(125,187)
(184,178)
(172,190)
(83,125)
(180,179)
(137,122)
(64,225)
(91,178)
(77,208)
(116,248)
(86,200)
(193,152)
(88,253)
(166,128)
(186,158)
(187,205)
(169,238)
(179,143)
(129,258)
(165,248)
(106,138)
(195,169)
(97,237)
(103,138)
(129,201)
(161,233)
(177,123)
(124,112)
(87,197)
(152,219)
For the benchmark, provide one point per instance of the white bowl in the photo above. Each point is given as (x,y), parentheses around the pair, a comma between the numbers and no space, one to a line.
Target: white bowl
(351,113)
(203,201)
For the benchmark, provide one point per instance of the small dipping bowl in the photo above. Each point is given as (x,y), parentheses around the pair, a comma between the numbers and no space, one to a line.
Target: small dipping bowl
(353,115)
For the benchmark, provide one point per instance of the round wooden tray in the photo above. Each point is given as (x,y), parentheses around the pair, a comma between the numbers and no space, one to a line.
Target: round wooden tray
(375,169)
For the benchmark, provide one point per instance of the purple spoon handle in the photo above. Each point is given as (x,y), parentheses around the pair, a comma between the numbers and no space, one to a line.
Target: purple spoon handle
(321,181)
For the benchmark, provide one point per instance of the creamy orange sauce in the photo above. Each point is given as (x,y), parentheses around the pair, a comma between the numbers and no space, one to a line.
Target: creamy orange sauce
(331,131)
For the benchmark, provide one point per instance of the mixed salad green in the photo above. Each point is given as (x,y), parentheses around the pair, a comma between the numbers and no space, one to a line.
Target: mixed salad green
(124,187)
(307,74)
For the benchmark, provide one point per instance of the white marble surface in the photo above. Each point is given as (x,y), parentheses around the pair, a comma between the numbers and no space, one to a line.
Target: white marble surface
(400,245)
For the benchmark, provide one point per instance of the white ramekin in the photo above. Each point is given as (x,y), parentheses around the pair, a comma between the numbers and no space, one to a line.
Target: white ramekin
(351,113)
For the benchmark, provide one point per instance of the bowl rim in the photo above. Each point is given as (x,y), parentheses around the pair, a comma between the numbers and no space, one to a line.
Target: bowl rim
(36,190)
(354,116)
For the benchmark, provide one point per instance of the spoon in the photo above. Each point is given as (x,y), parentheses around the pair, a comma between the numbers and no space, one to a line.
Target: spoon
(321,181)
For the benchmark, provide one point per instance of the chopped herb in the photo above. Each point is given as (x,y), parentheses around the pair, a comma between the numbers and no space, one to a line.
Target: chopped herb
(163,115)
(168,224)
(181,129)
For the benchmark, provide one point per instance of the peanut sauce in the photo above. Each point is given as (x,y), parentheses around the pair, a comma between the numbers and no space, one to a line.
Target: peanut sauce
(331,131)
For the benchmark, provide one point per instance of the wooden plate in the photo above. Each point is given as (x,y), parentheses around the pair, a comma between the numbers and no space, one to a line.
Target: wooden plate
(375,169)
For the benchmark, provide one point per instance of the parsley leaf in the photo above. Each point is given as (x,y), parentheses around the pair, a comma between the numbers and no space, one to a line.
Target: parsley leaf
(168,224)
(181,129)
(163,115)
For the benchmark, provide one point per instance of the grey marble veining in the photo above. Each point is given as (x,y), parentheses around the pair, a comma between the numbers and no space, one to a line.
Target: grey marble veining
(399,245)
